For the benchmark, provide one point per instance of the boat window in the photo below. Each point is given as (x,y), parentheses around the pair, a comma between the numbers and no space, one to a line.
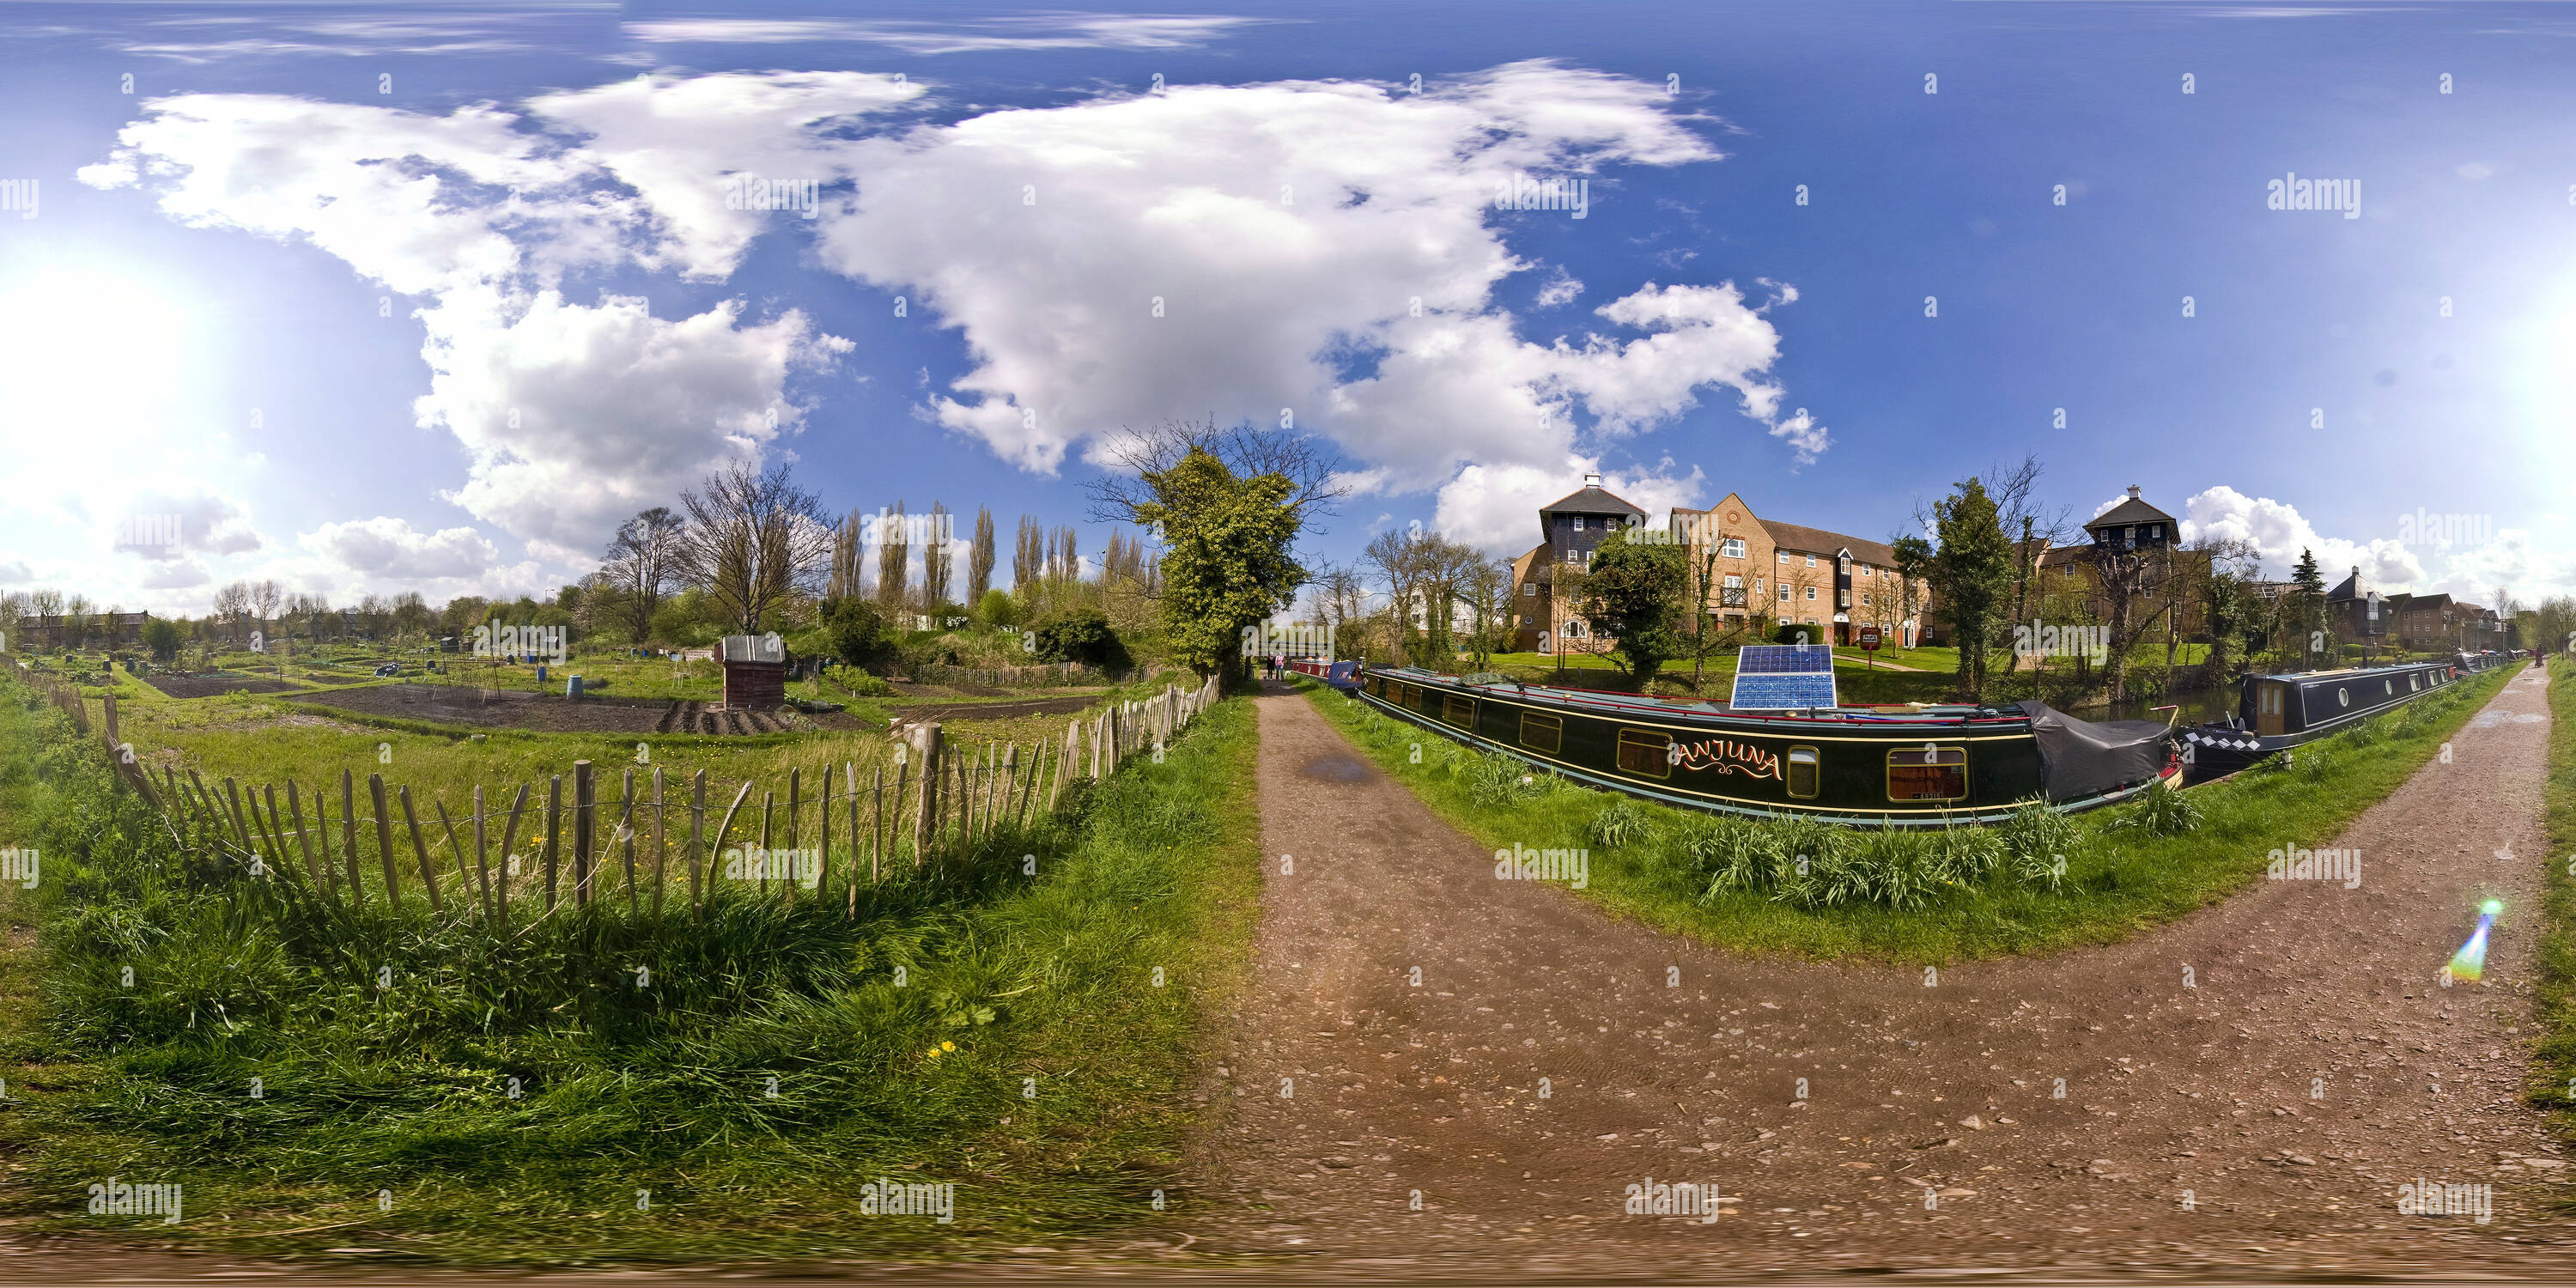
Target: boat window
(1803,773)
(1459,711)
(1541,732)
(1645,753)
(2414,683)
(1927,773)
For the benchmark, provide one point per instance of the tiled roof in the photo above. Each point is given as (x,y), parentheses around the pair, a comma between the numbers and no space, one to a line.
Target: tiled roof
(2132,510)
(1806,540)
(1590,499)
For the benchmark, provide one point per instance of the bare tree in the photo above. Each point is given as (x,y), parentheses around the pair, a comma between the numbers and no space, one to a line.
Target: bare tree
(1027,557)
(979,561)
(232,604)
(894,561)
(265,597)
(849,558)
(1310,467)
(752,541)
(938,558)
(1391,555)
(638,568)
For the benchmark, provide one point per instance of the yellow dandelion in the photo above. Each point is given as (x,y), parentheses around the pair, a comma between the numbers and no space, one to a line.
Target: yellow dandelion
(934,1053)
(947,1046)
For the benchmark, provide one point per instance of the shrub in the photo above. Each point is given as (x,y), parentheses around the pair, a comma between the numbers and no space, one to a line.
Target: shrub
(1081,635)
(858,634)
(998,609)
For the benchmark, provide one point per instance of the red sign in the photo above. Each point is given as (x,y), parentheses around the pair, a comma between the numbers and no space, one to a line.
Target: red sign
(1869,639)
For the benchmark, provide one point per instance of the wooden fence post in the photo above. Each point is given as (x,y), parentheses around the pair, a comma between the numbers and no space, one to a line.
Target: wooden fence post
(428,875)
(385,840)
(554,825)
(349,837)
(697,834)
(585,788)
(661,845)
(925,741)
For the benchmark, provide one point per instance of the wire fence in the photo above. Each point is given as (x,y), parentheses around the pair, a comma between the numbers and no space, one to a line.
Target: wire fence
(560,842)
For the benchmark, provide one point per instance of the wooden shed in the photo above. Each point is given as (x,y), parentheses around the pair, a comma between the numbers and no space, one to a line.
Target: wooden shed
(755,672)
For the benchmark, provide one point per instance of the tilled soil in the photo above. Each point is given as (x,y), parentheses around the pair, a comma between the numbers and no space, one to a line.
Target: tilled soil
(2244,1091)
(996,710)
(207,686)
(518,709)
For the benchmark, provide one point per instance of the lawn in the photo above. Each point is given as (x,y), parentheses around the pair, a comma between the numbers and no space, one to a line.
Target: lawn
(1023,1020)
(1653,863)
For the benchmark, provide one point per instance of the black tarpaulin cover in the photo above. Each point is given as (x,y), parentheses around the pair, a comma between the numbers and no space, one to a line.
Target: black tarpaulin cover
(2080,758)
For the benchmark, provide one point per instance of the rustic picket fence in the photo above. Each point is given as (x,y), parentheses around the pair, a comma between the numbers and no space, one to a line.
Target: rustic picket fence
(942,798)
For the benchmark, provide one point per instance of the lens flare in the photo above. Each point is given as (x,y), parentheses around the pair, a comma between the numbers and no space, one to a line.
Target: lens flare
(2470,963)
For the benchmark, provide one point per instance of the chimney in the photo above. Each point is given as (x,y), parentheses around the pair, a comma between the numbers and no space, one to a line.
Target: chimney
(1591,480)
(2133,491)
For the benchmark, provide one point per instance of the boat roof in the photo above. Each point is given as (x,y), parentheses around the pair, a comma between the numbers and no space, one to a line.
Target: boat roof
(2348,672)
(1612,700)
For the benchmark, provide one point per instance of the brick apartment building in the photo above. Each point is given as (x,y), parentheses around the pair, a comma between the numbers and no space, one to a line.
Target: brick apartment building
(1760,572)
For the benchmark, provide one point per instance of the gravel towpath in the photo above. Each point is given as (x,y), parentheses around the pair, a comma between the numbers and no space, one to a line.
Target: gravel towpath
(2243,1091)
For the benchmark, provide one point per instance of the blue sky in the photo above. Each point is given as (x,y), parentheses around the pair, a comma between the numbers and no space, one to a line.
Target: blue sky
(429,297)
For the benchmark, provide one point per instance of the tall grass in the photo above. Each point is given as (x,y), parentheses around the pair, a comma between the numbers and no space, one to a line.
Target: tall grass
(2554,1081)
(1028,1036)
(2038,882)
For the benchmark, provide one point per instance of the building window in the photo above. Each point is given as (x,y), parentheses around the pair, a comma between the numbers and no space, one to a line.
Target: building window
(1645,753)
(1784,556)
(1811,594)
(1805,776)
(1843,562)
(1842,599)
(1864,599)
(1811,561)
(2155,530)
(1541,732)
(1529,590)
(1733,548)
(1784,594)
(1927,774)
(1578,523)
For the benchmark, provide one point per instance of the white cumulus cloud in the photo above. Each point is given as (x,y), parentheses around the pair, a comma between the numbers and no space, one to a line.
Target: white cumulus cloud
(390,548)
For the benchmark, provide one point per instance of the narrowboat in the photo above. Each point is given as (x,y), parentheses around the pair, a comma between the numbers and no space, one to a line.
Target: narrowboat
(2277,712)
(1908,766)
(1339,675)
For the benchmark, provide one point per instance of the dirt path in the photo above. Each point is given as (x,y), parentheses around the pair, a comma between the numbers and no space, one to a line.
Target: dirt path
(2206,1088)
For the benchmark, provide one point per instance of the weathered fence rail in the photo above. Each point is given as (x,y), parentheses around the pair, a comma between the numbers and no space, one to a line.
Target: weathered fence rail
(941,796)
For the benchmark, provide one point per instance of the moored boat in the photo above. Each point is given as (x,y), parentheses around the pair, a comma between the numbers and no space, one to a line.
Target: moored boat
(1906,766)
(2278,712)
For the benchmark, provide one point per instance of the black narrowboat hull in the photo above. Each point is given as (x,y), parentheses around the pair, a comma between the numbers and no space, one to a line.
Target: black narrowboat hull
(1864,768)
(2309,707)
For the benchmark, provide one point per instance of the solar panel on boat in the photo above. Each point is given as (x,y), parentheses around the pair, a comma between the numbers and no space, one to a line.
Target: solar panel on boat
(1784,677)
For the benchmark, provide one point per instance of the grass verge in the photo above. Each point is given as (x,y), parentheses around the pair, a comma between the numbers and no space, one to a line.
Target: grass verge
(2554,1085)
(1663,866)
(1039,1052)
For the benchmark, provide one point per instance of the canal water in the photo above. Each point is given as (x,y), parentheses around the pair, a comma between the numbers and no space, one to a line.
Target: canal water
(2197,708)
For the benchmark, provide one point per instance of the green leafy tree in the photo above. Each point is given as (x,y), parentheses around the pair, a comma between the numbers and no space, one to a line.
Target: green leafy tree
(1633,594)
(161,635)
(857,633)
(1972,573)
(997,608)
(2307,606)
(1081,635)
(1914,558)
